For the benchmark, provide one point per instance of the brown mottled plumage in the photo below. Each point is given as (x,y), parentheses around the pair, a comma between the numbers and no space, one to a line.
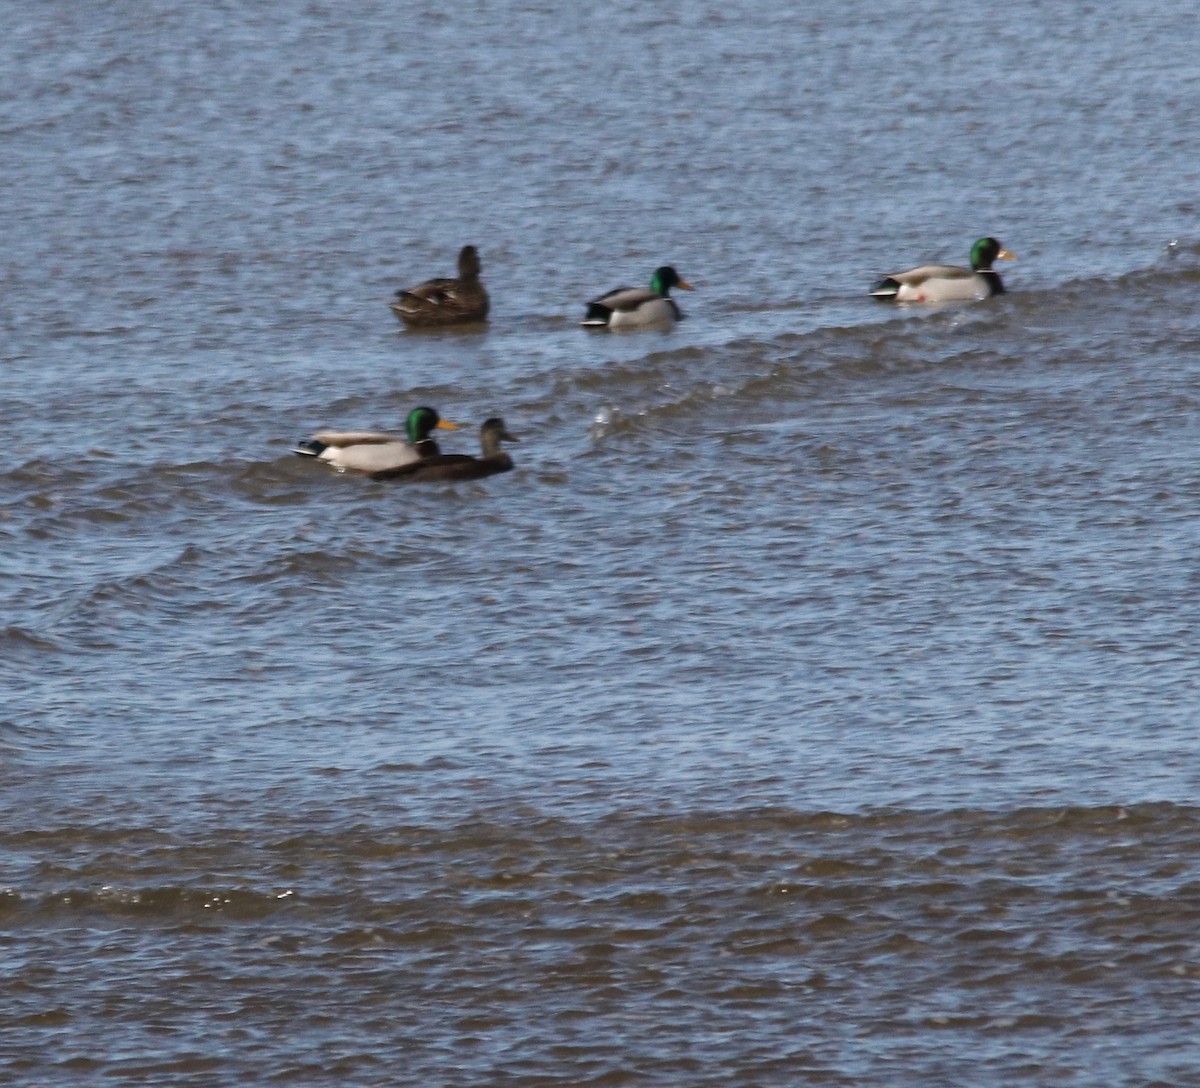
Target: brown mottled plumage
(445,301)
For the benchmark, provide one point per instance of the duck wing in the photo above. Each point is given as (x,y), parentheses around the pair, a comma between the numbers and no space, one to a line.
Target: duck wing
(341,439)
(624,298)
(436,292)
(914,277)
(442,301)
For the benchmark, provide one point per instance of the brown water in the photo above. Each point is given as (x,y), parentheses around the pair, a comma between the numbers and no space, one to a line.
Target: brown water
(816,702)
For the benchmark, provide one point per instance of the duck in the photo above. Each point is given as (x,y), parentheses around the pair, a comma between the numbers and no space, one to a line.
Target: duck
(459,466)
(436,303)
(638,307)
(372,451)
(947,282)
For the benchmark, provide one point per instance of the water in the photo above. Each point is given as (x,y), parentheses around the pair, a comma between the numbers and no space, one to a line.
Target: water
(814,704)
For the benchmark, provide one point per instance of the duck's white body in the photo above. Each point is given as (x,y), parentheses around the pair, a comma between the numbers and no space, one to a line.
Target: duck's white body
(939,283)
(634,308)
(364,451)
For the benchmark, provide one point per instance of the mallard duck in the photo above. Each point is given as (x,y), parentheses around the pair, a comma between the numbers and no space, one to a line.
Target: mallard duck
(948,282)
(371,451)
(460,466)
(638,307)
(446,301)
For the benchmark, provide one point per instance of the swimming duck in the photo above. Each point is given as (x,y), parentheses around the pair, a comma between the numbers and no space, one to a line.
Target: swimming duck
(371,451)
(638,307)
(445,301)
(460,466)
(947,282)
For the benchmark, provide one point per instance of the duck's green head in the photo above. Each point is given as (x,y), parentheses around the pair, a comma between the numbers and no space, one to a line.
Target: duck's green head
(987,250)
(421,421)
(665,278)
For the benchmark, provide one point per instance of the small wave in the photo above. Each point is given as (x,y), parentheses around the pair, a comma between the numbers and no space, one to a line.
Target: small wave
(18,645)
(763,378)
(163,902)
(19,737)
(1178,262)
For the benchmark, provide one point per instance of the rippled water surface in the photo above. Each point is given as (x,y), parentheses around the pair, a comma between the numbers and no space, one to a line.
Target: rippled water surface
(815,703)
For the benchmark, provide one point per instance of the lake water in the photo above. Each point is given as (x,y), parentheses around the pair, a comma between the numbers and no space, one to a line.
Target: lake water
(815,704)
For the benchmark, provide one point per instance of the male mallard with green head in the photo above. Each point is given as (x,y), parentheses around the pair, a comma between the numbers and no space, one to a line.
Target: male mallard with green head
(948,282)
(638,307)
(374,451)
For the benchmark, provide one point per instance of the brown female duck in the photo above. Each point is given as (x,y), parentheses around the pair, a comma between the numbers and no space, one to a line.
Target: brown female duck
(436,303)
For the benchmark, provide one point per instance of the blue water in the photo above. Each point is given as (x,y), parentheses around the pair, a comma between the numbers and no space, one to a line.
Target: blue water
(813,704)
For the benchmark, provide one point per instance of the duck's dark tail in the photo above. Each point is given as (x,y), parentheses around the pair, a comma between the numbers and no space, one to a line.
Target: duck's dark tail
(886,289)
(597,316)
